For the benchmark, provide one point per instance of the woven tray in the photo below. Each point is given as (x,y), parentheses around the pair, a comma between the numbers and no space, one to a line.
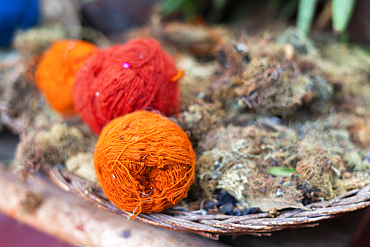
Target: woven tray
(180,219)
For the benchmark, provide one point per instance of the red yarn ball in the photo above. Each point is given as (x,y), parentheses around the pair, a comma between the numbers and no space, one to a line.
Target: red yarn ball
(123,79)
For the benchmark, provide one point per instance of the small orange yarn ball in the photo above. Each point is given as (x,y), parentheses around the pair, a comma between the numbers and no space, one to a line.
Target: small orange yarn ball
(56,71)
(144,162)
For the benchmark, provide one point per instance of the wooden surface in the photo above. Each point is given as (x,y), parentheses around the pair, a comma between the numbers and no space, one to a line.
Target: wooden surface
(75,221)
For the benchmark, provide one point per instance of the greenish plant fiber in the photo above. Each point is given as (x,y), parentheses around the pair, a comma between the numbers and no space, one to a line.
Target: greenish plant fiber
(306,11)
(342,12)
(282,171)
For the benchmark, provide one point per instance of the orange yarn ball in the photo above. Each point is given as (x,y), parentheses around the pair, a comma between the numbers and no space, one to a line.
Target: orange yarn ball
(144,162)
(56,71)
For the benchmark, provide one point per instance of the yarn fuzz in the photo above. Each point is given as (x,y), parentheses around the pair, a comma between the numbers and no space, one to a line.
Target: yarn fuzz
(144,162)
(123,79)
(56,71)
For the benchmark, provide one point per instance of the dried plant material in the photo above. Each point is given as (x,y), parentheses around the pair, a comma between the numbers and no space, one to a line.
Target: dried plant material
(82,165)
(49,146)
(269,83)
(266,204)
(198,40)
(233,55)
(195,72)
(354,160)
(360,134)
(359,128)
(364,136)
(36,40)
(322,153)
(60,142)
(354,180)
(22,108)
(300,42)
(324,158)
(238,160)
(320,158)
(199,119)
(348,66)
(273,213)
(28,156)
(15,91)
(238,163)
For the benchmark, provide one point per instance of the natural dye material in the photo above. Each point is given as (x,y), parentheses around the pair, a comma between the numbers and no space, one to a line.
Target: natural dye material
(16,14)
(144,162)
(82,165)
(263,77)
(50,145)
(56,71)
(123,79)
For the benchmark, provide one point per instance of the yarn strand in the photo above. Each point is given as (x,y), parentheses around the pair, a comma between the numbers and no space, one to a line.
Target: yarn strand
(144,162)
(126,78)
(133,214)
(56,71)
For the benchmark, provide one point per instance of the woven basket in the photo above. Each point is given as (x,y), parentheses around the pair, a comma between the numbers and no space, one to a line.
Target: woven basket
(180,219)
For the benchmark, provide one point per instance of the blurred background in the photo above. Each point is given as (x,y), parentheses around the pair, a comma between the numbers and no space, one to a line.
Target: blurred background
(347,19)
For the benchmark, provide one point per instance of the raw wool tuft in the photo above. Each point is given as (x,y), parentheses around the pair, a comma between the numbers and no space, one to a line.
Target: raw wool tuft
(49,146)
(82,165)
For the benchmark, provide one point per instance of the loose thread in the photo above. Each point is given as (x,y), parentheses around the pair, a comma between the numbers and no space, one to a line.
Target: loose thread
(141,201)
(179,74)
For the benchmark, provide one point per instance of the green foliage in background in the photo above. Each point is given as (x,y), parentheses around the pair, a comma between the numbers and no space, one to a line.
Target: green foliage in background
(341,14)
(306,12)
(189,7)
(215,9)
(342,10)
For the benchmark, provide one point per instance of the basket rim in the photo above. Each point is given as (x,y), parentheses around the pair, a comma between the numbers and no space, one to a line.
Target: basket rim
(180,219)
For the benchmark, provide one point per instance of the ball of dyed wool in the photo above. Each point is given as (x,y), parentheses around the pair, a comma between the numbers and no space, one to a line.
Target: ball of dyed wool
(16,14)
(144,162)
(56,71)
(125,78)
